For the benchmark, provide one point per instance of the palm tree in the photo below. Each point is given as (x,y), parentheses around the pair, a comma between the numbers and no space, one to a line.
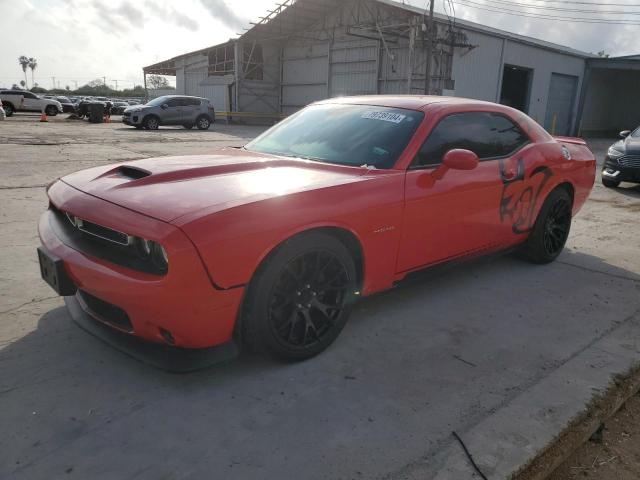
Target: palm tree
(33,64)
(24,63)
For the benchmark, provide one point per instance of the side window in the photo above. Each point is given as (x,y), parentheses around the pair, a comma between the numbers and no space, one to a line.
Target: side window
(486,134)
(194,102)
(174,102)
(509,137)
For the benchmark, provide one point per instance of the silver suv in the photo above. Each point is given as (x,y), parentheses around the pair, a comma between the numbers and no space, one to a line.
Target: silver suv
(171,110)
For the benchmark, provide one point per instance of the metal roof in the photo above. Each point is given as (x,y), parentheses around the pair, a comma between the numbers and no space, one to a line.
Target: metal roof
(168,67)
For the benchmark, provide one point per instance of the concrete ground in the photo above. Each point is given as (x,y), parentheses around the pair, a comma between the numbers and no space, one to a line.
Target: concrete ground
(502,352)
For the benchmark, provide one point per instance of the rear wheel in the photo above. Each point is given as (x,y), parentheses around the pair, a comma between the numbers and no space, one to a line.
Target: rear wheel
(8,109)
(609,183)
(551,230)
(188,126)
(151,122)
(300,299)
(203,122)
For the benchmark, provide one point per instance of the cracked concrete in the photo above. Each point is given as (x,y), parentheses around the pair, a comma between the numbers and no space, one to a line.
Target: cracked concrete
(502,352)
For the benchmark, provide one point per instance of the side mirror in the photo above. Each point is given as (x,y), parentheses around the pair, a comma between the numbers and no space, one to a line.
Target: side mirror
(460,159)
(625,133)
(164,106)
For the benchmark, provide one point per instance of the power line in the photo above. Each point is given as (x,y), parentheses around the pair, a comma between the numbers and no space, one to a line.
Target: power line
(590,3)
(517,13)
(560,9)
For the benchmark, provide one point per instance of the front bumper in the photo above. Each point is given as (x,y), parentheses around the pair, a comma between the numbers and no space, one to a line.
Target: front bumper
(614,170)
(133,119)
(182,302)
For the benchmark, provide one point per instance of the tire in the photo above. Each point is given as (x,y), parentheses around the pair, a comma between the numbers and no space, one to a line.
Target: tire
(138,127)
(188,126)
(610,183)
(203,122)
(8,109)
(551,230)
(300,298)
(151,122)
(51,110)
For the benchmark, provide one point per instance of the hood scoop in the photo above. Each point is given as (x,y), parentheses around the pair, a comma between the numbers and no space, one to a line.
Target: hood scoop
(132,173)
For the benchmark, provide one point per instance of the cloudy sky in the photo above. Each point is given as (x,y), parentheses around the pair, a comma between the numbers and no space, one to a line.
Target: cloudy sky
(82,40)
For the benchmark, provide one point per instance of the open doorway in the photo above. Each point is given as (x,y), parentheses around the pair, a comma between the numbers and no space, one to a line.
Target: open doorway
(516,85)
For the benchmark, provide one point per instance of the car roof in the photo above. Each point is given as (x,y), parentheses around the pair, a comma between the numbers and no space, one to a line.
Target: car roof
(413,102)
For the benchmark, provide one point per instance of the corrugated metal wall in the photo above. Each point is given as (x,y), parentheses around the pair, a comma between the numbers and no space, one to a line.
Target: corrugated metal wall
(304,75)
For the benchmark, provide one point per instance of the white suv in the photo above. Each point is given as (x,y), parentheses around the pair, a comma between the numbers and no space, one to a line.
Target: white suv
(23,101)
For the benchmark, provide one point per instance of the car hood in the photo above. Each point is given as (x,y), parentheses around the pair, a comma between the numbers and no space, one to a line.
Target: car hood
(168,188)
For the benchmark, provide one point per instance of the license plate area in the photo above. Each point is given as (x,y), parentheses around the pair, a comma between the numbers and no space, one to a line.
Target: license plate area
(52,271)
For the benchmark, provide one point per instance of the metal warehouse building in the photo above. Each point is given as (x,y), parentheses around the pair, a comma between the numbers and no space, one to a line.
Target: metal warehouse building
(307,50)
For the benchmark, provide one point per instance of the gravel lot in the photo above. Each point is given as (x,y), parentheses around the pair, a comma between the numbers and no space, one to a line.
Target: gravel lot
(463,350)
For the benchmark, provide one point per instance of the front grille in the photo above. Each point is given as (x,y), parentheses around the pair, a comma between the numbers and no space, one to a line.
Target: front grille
(105,311)
(100,242)
(127,114)
(632,161)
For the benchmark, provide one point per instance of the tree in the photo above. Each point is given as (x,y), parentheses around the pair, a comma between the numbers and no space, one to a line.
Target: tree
(67,88)
(156,81)
(33,63)
(23,84)
(602,54)
(24,63)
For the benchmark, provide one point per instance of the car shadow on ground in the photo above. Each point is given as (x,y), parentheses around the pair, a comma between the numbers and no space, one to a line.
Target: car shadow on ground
(629,191)
(413,363)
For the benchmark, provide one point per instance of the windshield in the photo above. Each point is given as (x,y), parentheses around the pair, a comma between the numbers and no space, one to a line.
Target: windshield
(635,133)
(156,102)
(354,135)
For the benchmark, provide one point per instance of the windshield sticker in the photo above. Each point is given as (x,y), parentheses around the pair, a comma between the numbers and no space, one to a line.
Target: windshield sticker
(385,116)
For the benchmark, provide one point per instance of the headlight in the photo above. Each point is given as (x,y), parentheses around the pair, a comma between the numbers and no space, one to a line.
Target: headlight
(148,249)
(614,153)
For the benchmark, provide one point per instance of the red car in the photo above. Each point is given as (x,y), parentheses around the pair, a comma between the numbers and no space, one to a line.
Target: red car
(271,244)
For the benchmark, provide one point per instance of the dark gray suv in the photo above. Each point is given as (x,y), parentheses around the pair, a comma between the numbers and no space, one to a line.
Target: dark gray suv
(171,110)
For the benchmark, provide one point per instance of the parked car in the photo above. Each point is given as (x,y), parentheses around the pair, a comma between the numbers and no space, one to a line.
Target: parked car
(118,107)
(171,110)
(67,105)
(24,101)
(82,109)
(622,162)
(272,243)
(3,115)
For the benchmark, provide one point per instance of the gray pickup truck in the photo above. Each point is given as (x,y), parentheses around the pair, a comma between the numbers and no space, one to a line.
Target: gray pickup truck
(171,110)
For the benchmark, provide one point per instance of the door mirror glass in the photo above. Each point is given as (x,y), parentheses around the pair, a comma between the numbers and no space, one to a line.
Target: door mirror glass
(460,159)
(164,106)
(625,133)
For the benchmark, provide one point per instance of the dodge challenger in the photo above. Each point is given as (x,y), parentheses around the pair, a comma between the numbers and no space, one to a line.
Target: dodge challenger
(270,245)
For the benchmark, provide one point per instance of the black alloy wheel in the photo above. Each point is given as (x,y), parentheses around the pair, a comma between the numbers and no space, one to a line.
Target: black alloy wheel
(557,225)
(550,230)
(300,297)
(308,298)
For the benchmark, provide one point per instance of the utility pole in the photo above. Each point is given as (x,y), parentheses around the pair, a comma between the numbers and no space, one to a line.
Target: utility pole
(116,84)
(76,82)
(427,69)
(104,81)
(53,79)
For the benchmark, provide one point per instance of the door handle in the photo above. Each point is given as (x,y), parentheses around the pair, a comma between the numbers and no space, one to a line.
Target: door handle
(509,174)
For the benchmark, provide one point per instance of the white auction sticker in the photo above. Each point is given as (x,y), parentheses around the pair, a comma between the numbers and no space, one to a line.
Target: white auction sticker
(385,116)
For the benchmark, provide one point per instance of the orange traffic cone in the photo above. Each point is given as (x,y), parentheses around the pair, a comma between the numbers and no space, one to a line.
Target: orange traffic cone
(43,117)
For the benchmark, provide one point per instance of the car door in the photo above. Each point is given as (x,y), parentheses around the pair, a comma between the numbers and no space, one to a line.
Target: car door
(191,110)
(172,114)
(458,213)
(33,103)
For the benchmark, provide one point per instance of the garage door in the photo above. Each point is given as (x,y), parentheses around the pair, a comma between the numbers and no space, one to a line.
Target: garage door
(562,93)
(304,75)
(354,68)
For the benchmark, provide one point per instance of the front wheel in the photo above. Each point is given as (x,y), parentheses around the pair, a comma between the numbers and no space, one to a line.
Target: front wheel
(203,123)
(151,123)
(8,109)
(551,230)
(188,126)
(610,183)
(51,111)
(301,297)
